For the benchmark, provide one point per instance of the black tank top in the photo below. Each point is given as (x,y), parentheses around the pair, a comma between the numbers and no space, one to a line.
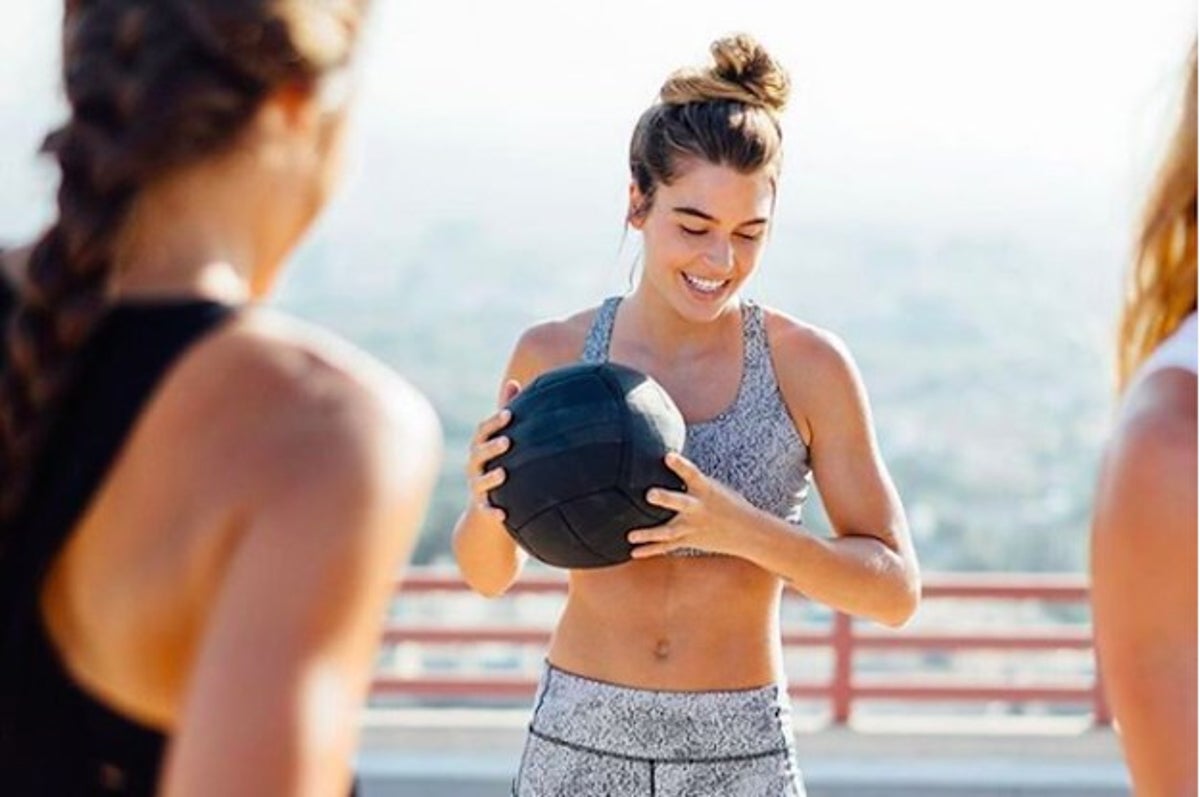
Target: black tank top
(56,739)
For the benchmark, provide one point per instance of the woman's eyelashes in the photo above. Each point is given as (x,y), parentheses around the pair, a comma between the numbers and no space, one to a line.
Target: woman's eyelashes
(745,236)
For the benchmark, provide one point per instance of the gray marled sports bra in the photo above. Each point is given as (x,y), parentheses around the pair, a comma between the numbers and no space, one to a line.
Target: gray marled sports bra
(753,445)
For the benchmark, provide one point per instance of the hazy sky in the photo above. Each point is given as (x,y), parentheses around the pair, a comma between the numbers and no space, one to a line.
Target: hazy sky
(926,114)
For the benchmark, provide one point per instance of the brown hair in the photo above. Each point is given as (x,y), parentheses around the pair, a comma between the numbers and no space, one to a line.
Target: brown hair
(1160,290)
(726,113)
(153,86)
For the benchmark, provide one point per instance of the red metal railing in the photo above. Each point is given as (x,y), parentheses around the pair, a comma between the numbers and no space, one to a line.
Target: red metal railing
(842,636)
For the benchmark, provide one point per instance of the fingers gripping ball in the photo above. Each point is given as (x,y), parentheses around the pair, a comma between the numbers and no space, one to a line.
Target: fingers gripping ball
(587,442)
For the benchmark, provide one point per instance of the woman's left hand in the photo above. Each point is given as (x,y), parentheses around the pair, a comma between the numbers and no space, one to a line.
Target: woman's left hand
(707,515)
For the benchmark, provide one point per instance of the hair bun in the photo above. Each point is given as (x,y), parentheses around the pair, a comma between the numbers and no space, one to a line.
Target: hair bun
(742,70)
(740,59)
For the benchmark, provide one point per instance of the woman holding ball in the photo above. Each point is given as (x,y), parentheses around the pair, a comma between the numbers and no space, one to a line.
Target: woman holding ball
(665,674)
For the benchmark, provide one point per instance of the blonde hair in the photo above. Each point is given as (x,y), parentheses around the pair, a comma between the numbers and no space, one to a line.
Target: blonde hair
(726,113)
(1160,290)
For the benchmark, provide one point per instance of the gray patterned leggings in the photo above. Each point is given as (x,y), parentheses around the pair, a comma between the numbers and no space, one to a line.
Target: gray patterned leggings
(594,739)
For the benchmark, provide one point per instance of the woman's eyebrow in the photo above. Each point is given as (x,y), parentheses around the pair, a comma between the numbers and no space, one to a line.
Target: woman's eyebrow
(689,211)
(700,214)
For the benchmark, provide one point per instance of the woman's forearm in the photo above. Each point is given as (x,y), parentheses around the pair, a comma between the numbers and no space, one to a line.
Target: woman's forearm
(487,556)
(855,574)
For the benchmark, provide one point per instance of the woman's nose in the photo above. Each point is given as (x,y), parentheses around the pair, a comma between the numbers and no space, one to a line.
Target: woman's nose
(720,254)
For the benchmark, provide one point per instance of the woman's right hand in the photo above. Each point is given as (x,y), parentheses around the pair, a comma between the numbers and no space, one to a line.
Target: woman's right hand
(485,447)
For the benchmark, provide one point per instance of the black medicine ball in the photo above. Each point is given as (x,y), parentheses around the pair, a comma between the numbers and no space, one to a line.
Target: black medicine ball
(587,442)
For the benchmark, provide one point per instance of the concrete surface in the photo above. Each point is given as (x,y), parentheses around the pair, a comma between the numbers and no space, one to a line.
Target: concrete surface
(474,753)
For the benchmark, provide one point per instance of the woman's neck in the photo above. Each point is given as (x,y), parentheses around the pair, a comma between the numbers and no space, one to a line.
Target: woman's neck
(186,275)
(173,251)
(657,326)
(208,233)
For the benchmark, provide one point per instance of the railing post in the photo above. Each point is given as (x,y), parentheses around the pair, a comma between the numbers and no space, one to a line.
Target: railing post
(840,689)
(1102,712)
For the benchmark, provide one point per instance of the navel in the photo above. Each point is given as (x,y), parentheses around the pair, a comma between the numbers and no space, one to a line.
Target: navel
(662,651)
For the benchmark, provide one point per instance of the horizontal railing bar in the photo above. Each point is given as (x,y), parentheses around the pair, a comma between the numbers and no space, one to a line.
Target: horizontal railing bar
(508,687)
(505,687)
(1069,694)
(1023,640)
(1039,639)
(1034,586)
(1058,593)
(394,635)
(516,636)
(418,581)
(429,687)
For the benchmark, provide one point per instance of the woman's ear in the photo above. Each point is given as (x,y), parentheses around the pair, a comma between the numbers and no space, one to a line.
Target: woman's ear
(635,216)
(294,128)
(292,108)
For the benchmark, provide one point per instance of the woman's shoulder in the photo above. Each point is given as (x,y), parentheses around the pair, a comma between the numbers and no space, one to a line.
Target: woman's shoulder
(1156,425)
(1149,472)
(816,373)
(551,343)
(285,390)
(1144,520)
(804,350)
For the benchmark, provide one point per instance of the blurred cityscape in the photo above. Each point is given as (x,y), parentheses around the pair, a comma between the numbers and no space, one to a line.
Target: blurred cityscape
(986,361)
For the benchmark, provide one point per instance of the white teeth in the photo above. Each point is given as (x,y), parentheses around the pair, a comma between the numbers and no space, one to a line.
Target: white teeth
(703,285)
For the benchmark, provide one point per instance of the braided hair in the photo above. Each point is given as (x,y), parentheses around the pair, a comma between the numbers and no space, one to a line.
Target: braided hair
(153,86)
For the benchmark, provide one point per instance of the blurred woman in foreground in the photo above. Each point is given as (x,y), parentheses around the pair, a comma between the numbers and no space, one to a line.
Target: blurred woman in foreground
(202,503)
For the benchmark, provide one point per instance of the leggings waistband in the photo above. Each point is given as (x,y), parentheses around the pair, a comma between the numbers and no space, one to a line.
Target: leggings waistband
(647,724)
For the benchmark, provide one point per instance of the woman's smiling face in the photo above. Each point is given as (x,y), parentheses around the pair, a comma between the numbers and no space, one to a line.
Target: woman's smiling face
(703,235)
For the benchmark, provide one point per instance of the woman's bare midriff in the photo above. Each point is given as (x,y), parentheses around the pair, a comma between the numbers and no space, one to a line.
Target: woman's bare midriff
(672,623)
